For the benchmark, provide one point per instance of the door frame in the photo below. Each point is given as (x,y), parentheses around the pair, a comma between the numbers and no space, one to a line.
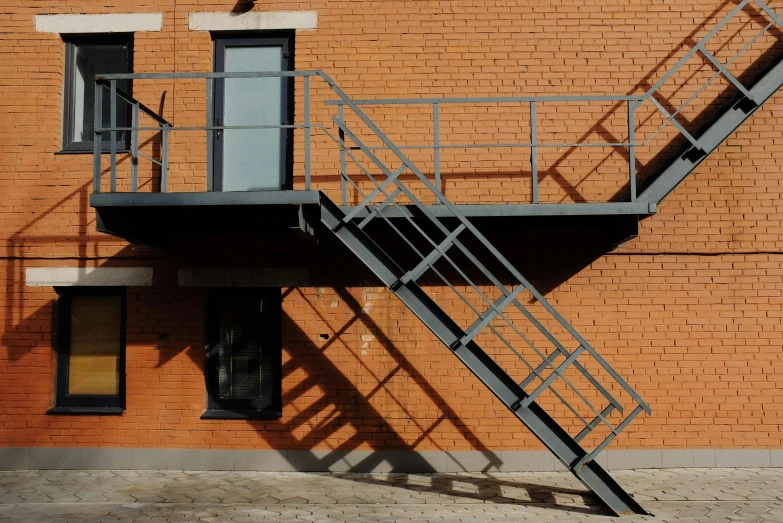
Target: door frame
(284,39)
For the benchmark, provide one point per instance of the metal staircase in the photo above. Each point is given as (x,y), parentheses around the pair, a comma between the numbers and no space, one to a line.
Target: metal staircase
(458,255)
(503,330)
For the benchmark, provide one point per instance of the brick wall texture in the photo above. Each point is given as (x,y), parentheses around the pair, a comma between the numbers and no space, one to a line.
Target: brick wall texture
(689,312)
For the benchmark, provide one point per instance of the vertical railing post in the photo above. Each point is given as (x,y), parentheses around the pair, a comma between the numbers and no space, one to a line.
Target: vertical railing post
(533,152)
(343,173)
(436,144)
(164,161)
(135,148)
(307,132)
(97,127)
(210,131)
(631,150)
(113,133)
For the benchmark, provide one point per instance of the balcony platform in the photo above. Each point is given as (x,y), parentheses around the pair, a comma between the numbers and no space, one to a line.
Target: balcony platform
(156,218)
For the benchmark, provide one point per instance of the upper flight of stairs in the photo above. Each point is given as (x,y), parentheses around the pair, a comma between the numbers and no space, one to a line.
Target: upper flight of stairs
(727,120)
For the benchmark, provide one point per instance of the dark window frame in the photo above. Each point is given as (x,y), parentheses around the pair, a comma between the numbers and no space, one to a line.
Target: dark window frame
(69,145)
(272,327)
(285,39)
(85,403)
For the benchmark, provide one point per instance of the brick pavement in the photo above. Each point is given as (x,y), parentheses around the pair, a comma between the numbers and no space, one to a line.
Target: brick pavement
(692,495)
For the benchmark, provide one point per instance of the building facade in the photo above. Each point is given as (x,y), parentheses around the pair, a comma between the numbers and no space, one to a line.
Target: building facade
(236,335)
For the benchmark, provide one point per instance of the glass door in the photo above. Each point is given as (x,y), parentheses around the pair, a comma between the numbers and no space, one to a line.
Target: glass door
(253,159)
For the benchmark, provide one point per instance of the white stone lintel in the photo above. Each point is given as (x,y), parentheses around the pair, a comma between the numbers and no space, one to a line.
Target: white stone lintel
(253,21)
(89,277)
(106,23)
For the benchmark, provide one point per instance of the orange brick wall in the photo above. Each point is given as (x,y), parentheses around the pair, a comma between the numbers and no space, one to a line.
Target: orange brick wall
(688,312)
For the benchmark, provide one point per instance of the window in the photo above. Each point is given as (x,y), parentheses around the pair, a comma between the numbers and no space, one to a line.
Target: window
(244,355)
(90,351)
(84,58)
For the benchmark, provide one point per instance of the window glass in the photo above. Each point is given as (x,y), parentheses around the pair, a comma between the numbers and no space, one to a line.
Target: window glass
(243,362)
(90,351)
(243,365)
(95,345)
(86,57)
(89,60)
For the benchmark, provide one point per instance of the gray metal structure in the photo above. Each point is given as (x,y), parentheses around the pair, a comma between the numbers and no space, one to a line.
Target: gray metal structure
(559,364)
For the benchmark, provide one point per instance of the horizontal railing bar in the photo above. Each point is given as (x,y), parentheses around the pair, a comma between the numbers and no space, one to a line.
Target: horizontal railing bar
(374,147)
(212,127)
(175,76)
(489,99)
(520,144)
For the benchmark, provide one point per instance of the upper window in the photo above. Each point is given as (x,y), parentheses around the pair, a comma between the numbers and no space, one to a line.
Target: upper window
(243,358)
(90,351)
(84,58)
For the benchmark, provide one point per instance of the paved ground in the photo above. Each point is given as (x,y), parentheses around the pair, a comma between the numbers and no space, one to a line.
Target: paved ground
(708,495)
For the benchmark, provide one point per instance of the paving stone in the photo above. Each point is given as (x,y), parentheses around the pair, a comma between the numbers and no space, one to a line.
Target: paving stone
(696,495)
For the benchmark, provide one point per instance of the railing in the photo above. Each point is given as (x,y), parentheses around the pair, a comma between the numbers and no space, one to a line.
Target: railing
(533,102)
(109,81)
(632,105)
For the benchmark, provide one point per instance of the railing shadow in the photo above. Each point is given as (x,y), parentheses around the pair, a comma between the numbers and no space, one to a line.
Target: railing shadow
(350,404)
(489,488)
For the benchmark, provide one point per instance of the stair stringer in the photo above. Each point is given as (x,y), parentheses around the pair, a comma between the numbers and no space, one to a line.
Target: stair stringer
(543,426)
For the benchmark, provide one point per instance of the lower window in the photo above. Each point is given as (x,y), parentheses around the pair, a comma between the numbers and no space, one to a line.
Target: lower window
(243,369)
(90,351)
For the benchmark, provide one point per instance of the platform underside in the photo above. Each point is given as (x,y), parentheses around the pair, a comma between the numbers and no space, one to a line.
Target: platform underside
(157,218)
